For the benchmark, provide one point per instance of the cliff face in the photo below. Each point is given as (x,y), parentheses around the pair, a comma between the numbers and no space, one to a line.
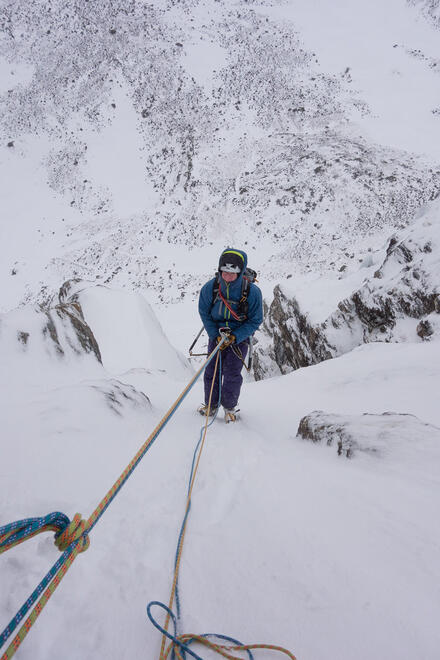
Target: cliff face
(57,330)
(399,302)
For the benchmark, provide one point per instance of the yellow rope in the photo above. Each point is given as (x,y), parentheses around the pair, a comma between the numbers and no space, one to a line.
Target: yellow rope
(222,649)
(219,648)
(188,504)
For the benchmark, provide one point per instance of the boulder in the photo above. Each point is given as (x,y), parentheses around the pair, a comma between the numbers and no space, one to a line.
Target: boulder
(377,435)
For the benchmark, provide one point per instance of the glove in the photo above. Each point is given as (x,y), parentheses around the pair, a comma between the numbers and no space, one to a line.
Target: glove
(230,338)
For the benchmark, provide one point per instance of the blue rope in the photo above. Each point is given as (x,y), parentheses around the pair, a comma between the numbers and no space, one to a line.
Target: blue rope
(7,632)
(29,526)
(25,529)
(185,646)
(175,619)
(179,542)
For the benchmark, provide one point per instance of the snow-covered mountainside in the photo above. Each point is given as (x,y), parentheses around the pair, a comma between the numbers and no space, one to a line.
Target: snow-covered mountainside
(429,8)
(192,124)
(395,296)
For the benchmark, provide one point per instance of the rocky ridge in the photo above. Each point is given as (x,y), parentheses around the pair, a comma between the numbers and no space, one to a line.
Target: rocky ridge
(399,301)
(59,328)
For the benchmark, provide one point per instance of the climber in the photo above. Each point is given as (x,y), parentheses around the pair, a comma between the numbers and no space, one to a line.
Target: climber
(233,303)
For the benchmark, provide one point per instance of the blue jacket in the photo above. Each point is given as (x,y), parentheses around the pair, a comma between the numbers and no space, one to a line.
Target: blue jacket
(217,316)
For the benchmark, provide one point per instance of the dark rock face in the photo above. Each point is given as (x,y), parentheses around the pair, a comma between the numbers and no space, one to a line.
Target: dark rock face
(63,325)
(23,337)
(376,435)
(405,286)
(296,343)
(320,427)
(69,309)
(425,329)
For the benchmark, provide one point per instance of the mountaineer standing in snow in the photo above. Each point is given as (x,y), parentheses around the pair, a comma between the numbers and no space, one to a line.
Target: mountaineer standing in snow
(233,303)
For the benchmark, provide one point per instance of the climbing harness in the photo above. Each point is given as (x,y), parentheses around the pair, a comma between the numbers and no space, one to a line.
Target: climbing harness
(72,538)
(249,277)
(234,348)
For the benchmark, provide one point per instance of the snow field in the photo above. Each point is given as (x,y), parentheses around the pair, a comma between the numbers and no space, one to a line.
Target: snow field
(286,542)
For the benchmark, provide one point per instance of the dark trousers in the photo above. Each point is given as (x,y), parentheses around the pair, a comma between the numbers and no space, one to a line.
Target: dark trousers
(231,367)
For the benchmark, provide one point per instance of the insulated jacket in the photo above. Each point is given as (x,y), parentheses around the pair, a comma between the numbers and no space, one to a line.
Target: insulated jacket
(218,315)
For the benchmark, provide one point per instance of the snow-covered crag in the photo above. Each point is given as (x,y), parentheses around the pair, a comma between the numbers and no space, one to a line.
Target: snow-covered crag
(58,330)
(398,301)
(89,339)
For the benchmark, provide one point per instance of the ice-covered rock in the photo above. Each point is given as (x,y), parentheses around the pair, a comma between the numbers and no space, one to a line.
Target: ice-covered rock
(389,434)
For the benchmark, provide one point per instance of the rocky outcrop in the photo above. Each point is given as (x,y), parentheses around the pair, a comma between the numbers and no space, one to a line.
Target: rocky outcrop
(372,434)
(69,310)
(405,285)
(121,396)
(295,342)
(400,301)
(60,328)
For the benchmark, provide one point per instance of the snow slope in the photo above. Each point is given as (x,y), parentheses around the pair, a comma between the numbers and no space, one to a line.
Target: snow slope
(389,54)
(287,543)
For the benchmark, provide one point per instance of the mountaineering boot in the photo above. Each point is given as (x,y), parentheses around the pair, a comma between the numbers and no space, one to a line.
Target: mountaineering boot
(231,414)
(203,410)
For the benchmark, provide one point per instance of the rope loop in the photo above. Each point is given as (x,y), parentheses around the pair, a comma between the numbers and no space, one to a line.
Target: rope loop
(75,531)
(19,531)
